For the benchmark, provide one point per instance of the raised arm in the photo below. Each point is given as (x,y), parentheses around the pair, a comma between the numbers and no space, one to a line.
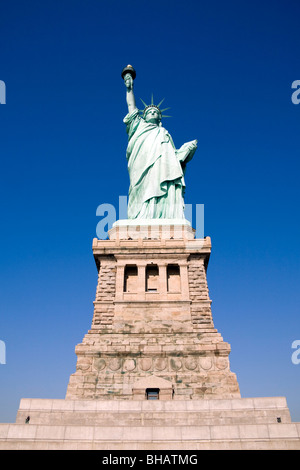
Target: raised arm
(128,80)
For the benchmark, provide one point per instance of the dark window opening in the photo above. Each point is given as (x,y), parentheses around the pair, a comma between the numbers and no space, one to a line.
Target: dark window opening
(130,279)
(151,278)
(173,278)
(152,393)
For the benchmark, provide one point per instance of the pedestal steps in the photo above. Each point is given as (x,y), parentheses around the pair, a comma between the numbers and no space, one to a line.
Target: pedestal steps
(247,423)
(226,437)
(154,413)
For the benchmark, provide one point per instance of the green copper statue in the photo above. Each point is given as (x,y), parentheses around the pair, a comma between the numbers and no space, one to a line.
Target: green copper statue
(156,168)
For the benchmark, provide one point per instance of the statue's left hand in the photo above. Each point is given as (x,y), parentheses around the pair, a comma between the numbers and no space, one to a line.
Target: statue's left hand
(193,145)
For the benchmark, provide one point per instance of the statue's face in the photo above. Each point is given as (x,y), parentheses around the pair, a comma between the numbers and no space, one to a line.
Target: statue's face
(152,116)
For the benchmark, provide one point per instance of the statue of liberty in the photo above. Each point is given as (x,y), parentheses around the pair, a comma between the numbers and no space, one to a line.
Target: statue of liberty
(156,168)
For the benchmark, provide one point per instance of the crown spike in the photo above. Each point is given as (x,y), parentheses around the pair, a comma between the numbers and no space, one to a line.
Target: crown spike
(143,102)
(160,102)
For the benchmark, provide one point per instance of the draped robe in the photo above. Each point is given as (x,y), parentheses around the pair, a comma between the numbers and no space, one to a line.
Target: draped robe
(156,170)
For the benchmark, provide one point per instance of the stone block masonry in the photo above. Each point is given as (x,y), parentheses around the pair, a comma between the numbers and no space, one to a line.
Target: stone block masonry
(152,319)
(153,372)
(236,424)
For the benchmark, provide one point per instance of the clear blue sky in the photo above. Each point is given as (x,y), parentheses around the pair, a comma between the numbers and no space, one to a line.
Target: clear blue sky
(225,69)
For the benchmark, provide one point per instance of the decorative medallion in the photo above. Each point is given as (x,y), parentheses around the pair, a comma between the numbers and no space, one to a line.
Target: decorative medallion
(146,363)
(175,363)
(99,363)
(206,363)
(191,363)
(83,366)
(222,362)
(115,363)
(160,363)
(129,364)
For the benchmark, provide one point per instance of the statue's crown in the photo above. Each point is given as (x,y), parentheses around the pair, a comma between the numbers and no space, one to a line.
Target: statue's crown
(152,105)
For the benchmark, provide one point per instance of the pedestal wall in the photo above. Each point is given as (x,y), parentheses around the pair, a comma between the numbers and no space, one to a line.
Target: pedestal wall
(152,319)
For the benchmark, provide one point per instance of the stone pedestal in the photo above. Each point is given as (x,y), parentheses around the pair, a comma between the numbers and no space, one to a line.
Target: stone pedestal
(152,319)
(234,424)
(152,372)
